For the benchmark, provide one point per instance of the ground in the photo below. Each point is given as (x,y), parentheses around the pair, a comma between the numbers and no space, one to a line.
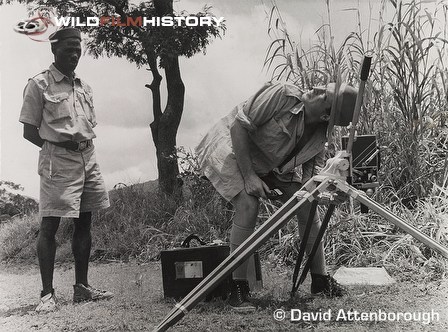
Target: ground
(139,304)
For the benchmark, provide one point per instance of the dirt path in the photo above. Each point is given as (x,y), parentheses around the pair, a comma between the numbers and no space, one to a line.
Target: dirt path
(139,304)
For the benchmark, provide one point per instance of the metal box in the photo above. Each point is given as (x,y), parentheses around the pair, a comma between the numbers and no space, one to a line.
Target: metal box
(184,268)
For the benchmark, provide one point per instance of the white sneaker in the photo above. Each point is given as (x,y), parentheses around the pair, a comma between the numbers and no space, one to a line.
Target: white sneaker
(47,303)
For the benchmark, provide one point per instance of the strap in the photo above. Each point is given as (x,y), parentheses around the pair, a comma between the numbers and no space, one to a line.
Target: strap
(293,153)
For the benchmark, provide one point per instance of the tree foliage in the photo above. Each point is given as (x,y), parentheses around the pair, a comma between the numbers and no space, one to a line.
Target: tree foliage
(131,41)
(12,202)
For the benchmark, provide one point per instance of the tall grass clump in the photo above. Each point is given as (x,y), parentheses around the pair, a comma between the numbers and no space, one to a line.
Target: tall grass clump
(141,221)
(17,238)
(19,226)
(405,106)
(406,97)
(411,88)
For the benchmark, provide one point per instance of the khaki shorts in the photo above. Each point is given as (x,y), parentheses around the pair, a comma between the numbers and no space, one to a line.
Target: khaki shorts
(70,182)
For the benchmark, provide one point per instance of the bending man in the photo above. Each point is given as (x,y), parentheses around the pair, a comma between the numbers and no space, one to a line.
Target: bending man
(275,139)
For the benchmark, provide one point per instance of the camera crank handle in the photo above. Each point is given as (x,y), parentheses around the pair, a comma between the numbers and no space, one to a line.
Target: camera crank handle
(366,63)
(365,69)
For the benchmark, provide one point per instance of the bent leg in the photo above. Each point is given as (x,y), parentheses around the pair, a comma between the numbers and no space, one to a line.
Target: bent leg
(244,221)
(81,245)
(46,251)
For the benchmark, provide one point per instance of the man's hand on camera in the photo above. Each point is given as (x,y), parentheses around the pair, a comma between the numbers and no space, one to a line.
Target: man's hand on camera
(255,186)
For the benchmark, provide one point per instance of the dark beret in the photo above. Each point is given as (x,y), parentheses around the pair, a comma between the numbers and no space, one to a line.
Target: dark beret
(64,34)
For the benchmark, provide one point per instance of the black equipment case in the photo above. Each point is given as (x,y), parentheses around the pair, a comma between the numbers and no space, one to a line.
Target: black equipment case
(185,267)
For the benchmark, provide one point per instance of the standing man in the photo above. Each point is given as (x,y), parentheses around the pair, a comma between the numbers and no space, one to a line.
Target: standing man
(258,147)
(58,116)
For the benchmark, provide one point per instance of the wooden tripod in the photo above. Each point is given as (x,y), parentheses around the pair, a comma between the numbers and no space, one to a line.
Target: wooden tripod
(326,188)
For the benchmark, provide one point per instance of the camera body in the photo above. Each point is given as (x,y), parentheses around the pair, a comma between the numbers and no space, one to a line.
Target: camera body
(365,162)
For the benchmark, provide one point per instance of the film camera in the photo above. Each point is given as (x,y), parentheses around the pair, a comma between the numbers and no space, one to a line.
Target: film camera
(365,163)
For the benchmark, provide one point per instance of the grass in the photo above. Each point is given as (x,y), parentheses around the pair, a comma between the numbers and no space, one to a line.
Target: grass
(140,306)
(140,224)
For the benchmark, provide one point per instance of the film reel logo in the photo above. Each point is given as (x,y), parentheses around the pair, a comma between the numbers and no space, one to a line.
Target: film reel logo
(39,27)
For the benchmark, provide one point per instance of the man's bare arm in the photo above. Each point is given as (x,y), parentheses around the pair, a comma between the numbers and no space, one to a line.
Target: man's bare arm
(240,141)
(31,133)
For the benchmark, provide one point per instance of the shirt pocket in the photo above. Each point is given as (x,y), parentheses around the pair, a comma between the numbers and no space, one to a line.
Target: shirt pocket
(57,106)
(86,99)
(273,141)
(271,135)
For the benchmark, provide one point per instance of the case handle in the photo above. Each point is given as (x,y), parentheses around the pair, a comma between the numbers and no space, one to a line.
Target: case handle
(186,242)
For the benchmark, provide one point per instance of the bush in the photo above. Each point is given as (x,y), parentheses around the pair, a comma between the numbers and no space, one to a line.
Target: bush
(19,235)
(17,238)
(359,240)
(12,203)
(140,222)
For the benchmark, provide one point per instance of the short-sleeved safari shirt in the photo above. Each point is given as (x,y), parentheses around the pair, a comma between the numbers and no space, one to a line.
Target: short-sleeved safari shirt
(275,120)
(62,109)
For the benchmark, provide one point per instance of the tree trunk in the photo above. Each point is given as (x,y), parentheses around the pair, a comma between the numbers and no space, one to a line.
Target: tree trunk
(167,129)
(165,125)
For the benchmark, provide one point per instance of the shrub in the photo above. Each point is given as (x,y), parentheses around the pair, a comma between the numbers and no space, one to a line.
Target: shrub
(12,203)
(17,238)
(141,221)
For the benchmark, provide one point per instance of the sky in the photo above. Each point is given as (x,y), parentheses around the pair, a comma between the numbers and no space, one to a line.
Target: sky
(229,72)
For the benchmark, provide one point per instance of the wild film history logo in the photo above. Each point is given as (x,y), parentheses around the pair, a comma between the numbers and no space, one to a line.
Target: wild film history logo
(45,22)
(39,27)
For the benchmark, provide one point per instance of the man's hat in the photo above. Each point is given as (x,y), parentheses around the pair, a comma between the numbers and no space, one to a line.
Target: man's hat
(64,34)
(342,114)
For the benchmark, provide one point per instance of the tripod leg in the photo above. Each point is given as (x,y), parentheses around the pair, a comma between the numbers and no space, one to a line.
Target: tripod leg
(319,237)
(386,214)
(303,243)
(241,253)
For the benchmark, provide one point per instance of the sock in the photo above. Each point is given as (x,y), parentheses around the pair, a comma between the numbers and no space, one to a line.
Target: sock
(42,294)
(238,235)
